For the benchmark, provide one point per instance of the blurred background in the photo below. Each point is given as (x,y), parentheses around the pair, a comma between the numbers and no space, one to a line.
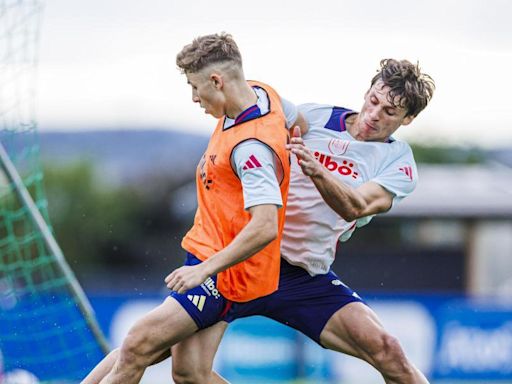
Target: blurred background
(120,139)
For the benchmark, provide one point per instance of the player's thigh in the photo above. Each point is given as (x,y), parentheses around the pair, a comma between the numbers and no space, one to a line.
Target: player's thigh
(354,329)
(196,353)
(162,327)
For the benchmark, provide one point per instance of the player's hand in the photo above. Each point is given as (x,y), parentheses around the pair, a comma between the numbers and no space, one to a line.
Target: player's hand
(309,165)
(187,277)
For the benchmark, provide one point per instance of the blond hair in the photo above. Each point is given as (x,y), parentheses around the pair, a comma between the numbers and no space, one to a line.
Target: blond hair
(207,50)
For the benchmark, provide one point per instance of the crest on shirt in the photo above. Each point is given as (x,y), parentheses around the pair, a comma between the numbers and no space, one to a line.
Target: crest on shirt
(202,169)
(338,147)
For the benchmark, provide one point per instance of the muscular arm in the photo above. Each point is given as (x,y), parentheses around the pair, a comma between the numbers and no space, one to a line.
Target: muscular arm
(294,117)
(302,123)
(351,204)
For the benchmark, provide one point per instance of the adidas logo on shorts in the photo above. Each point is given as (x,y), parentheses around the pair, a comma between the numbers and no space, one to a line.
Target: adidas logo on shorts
(198,301)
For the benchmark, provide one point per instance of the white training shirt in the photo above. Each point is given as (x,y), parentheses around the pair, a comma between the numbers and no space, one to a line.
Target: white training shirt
(312,229)
(256,164)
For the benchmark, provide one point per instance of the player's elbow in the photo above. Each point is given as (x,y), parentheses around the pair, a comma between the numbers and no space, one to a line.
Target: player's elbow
(264,224)
(350,213)
(268,231)
(365,208)
(351,216)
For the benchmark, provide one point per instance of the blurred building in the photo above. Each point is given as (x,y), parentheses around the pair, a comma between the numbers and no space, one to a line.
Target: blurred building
(468,208)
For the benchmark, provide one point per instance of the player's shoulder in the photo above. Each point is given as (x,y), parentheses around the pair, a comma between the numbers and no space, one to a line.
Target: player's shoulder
(400,148)
(315,109)
(401,157)
(320,116)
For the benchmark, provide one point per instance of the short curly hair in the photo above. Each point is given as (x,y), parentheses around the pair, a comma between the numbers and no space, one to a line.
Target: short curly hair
(206,50)
(405,80)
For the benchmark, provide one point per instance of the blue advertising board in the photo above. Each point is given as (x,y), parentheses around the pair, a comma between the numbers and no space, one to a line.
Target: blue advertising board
(448,338)
(474,341)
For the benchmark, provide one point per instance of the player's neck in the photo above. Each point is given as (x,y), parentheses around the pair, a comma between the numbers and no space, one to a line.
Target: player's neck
(241,97)
(351,123)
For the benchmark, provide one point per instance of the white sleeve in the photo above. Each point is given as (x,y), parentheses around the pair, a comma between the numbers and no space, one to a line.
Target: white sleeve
(290,112)
(400,176)
(256,166)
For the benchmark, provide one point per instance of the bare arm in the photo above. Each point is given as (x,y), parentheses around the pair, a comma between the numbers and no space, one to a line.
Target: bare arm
(350,203)
(256,235)
(302,123)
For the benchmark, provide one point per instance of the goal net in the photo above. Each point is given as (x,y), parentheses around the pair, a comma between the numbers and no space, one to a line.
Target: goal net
(46,324)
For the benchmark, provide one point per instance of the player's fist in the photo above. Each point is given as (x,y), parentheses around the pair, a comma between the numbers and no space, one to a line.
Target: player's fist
(185,278)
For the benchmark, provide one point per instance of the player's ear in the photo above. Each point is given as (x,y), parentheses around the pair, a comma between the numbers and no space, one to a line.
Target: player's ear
(217,80)
(408,120)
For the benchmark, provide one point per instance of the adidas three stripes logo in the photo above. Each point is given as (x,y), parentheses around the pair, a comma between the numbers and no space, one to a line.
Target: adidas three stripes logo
(252,163)
(198,301)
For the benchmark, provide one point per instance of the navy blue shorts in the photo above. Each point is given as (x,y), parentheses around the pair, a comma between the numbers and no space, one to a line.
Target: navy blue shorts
(205,304)
(302,302)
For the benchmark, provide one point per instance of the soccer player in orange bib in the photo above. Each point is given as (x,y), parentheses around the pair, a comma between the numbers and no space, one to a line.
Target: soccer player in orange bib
(242,185)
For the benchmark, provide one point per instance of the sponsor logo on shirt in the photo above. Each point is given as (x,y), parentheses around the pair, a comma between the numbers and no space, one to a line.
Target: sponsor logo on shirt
(210,288)
(407,170)
(345,168)
(252,163)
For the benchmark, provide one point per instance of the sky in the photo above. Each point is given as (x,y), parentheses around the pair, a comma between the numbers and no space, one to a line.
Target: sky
(111,63)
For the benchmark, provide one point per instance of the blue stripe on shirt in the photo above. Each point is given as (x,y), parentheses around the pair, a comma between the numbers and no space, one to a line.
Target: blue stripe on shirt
(337,120)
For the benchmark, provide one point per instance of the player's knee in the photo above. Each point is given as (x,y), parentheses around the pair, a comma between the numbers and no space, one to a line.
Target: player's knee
(115,353)
(389,357)
(189,375)
(132,351)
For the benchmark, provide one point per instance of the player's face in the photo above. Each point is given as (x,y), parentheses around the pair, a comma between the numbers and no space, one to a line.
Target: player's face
(378,118)
(206,92)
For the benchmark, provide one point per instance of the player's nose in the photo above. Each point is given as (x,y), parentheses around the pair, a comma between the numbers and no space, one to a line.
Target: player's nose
(374,114)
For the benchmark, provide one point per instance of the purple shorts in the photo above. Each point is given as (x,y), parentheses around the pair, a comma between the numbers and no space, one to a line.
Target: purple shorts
(302,301)
(205,304)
